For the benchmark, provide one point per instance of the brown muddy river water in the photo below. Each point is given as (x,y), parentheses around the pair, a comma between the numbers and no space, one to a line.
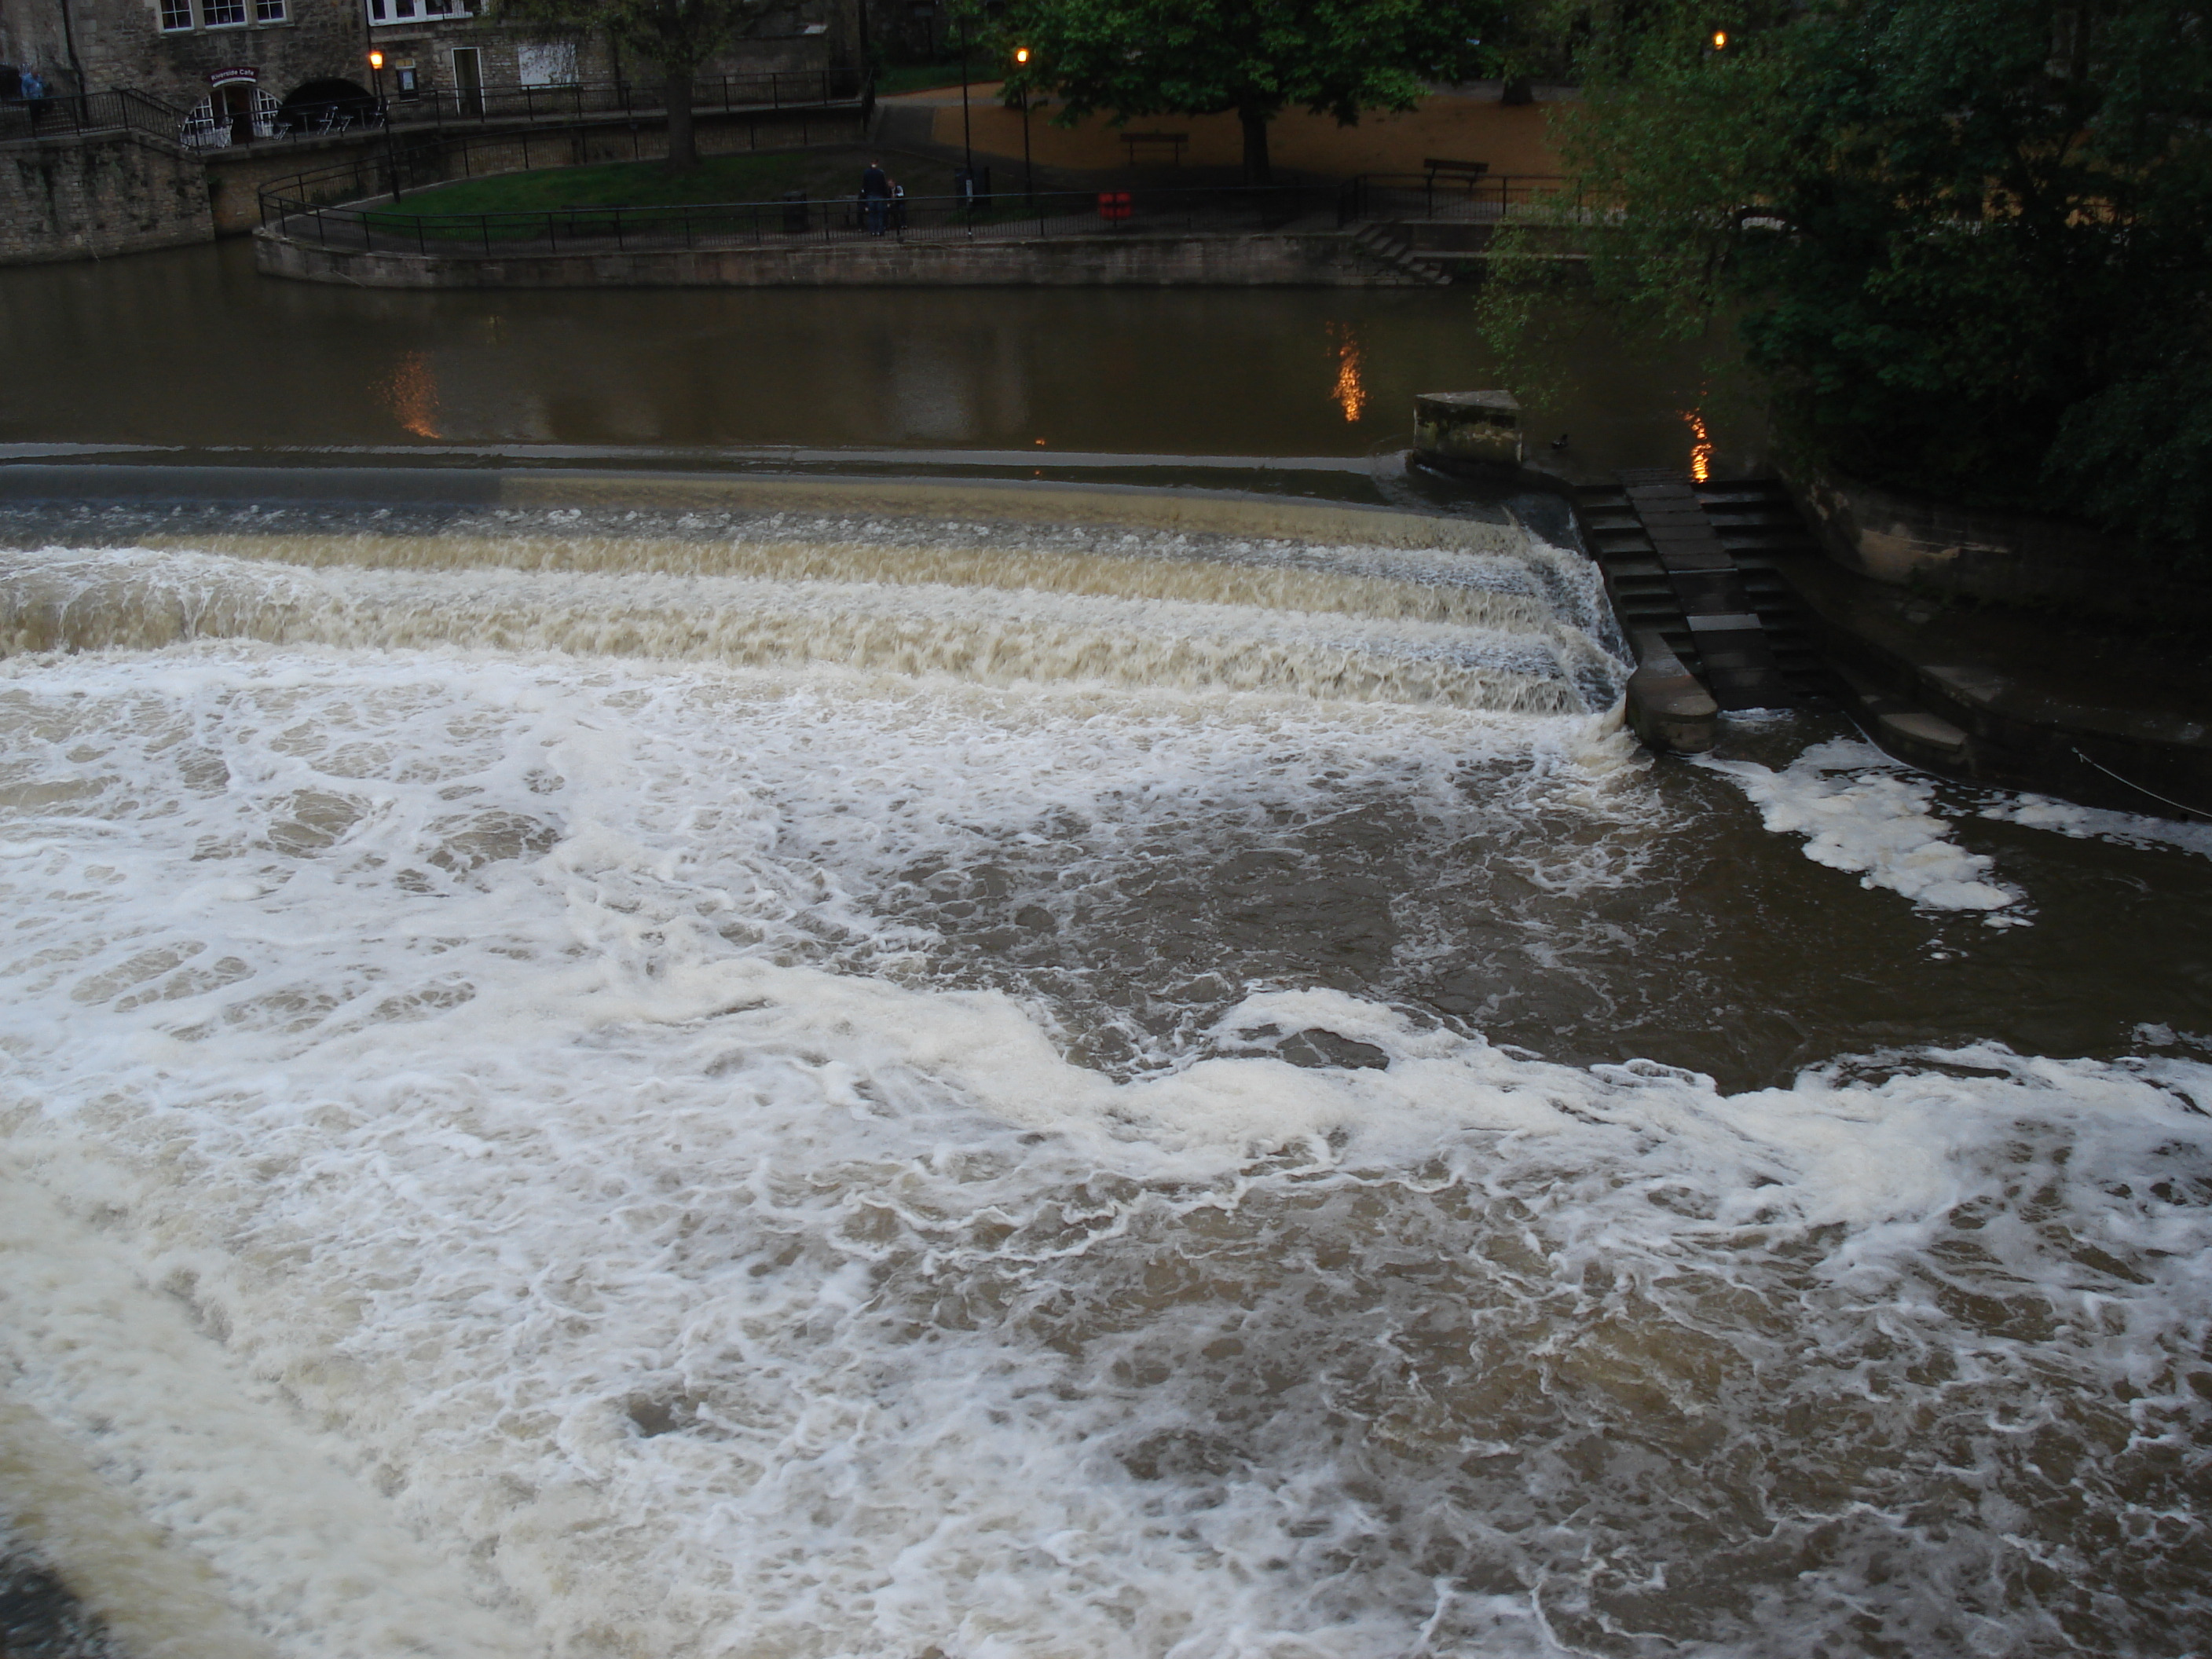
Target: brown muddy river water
(776,1077)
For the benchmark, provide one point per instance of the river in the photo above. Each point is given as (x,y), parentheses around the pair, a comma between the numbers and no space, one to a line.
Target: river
(616,1079)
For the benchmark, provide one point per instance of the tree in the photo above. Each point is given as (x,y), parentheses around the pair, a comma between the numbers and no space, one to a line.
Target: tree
(1968,242)
(678,35)
(1254,58)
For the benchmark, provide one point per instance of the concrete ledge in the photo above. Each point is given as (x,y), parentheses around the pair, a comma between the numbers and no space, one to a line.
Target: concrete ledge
(2030,724)
(1668,709)
(1285,258)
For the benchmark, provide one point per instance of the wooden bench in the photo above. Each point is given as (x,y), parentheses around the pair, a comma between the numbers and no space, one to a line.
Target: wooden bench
(1468,171)
(1177,140)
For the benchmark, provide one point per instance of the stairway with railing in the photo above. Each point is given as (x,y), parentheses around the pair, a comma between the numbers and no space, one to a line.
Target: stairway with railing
(86,114)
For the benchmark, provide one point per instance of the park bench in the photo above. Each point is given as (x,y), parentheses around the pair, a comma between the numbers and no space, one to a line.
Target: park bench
(1176,140)
(1465,171)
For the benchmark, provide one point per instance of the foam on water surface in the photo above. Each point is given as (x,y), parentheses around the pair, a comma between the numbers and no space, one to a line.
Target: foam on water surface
(511,1162)
(1861,812)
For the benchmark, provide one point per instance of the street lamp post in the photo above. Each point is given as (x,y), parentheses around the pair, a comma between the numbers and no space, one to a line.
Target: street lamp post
(384,120)
(1029,181)
(967,139)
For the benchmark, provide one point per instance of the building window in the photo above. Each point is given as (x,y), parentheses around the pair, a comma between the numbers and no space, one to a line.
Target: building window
(402,7)
(376,11)
(437,8)
(268,11)
(176,14)
(222,14)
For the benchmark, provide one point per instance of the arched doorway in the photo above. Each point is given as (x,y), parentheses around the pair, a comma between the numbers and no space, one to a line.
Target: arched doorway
(232,105)
(321,106)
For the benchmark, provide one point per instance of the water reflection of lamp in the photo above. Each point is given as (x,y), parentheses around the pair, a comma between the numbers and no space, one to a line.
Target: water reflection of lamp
(1029,183)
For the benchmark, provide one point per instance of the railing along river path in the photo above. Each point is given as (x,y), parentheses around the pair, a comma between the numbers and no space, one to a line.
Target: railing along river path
(361,205)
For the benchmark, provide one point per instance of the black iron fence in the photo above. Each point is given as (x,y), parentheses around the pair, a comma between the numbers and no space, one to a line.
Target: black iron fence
(68,115)
(710,94)
(1482,199)
(418,161)
(396,227)
(451,109)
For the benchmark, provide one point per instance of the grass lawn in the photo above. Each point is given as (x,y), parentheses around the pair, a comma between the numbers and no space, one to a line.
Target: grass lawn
(620,183)
(826,173)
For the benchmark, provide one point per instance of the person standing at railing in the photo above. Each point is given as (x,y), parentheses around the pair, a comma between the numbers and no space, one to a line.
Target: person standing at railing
(876,190)
(32,89)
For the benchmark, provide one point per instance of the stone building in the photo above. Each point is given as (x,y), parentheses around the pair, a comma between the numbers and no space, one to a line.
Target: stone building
(251,66)
(439,48)
(238,57)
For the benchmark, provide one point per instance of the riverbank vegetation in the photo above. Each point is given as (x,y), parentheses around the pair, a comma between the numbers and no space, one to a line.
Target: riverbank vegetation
(1968,243)
(676,36)
(1254,58)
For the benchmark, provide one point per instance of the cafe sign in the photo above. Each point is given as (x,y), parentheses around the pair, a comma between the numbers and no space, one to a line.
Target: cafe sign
(249,75)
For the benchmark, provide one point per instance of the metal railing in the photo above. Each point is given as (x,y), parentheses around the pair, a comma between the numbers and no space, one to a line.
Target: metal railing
(418,161)
(711,94)
(390,228)
(127,108)
(1448,196)
(67,116)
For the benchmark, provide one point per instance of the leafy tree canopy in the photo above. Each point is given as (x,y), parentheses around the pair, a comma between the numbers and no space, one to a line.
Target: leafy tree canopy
(1969,243)
(1252,58)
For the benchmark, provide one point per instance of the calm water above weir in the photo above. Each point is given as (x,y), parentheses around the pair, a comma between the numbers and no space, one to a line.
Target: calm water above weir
(193,347)
(589,1080)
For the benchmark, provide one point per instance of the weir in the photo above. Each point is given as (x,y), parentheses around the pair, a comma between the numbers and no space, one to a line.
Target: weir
(702,1068)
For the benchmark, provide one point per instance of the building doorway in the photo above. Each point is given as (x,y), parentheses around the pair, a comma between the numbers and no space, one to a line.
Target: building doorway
(468,81)
(234,108)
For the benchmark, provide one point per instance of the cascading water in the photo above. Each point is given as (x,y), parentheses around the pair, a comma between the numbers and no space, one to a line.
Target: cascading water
(785,1087)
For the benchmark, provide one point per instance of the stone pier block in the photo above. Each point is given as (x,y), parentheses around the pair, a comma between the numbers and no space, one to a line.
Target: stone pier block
(1460,429)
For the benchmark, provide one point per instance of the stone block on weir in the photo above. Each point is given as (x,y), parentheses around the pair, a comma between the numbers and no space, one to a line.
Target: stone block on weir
(1461,430)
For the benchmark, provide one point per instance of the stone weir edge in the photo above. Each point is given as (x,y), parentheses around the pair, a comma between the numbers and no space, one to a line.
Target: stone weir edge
(1241,259)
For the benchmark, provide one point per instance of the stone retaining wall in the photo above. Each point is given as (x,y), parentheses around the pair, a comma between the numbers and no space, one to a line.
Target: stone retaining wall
(1290,259)
(2015,558)
(89,196)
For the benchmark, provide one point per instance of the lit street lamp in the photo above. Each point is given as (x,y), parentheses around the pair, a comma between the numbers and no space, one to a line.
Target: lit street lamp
(1029,183)
(383,118)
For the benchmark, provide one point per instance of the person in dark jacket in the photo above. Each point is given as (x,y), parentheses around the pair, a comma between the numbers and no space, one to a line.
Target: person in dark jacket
(875,197)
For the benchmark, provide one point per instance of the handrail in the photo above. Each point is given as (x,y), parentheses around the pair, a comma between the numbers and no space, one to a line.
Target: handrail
(1452,196)
(68,115)
(371,227)
(415,161)
(776,89)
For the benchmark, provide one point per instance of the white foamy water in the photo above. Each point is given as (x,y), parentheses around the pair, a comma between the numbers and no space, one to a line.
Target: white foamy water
(1440,627)
(1862,811)
(2094,823)
(493,1165)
